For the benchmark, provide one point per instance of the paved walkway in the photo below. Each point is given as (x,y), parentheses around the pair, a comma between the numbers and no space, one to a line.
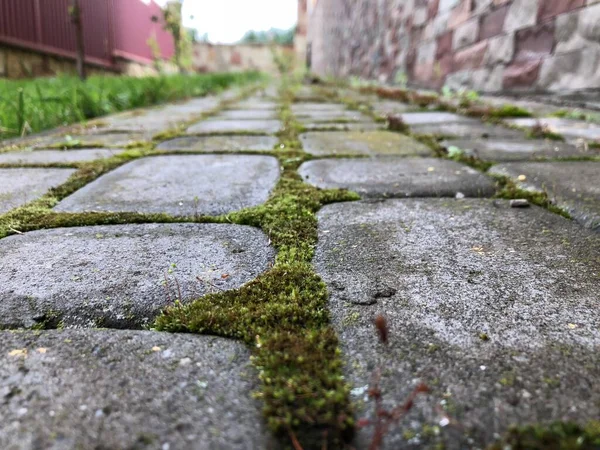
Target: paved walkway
(494,307)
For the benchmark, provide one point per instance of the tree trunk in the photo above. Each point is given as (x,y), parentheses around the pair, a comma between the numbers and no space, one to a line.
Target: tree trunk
(75,12)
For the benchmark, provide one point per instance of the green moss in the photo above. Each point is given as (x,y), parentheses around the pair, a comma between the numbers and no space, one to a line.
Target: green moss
(509,111)
(283,313)
(556,436)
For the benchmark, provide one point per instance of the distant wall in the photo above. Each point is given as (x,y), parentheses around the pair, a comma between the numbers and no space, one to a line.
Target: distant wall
(236,57)
(488,45)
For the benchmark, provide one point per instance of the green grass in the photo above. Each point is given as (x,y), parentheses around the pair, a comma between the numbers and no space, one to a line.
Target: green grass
(29,106)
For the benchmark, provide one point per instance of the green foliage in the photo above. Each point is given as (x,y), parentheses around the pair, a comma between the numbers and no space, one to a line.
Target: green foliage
(36,105)
(509,111)
(274,35)
(556,436)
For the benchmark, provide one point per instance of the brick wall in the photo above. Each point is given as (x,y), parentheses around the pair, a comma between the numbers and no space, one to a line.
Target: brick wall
(237,57)
(488,45)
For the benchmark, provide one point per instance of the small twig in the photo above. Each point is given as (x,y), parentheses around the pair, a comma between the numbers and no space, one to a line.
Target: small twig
(295,441)
(167,290)
(15,231)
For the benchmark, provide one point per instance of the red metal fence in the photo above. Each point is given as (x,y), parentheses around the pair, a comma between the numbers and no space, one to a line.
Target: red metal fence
(112,28)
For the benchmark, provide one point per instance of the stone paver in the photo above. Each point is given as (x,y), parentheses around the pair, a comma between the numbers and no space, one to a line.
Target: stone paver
(385,107)
(466,130)
(571,185)
(565,127)
(494,308)
(89,389)
(220,143)
(346,126)
(121,276)
(246,114)
(20,186)
(332,116)
(518,150)
(180,185)
(398,177)
(362,143)
(431,118)
(235,126)
(96,140)
(255,103)
(155,120)
(304,108)
(56,156)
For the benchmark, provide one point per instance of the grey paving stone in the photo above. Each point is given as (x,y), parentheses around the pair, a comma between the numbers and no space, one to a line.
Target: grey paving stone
(572,185)
(20,186)
(220,143)
(332,116)
(518,150)
(362,143)
(255,103)
(432,118)
(385,107)
(92,140)
(56,156)
(304,108)
(121,276)
(235,126)
(442,272)
(79,389)
(565,127)
(398,177)
(152,121)
(346,126)
(468,130)
(180,185)
(246,114)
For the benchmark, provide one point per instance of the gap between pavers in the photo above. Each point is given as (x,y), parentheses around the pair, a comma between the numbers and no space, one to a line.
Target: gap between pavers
(121,276)
(493,307)
(571,185)
(127,389)
(398,177)
(518,150)
(57,156)
(220,143)
(21,185)
(362,143)
(179,185)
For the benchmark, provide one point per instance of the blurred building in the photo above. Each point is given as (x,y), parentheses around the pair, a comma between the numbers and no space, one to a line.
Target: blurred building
(488,45)
(124,36)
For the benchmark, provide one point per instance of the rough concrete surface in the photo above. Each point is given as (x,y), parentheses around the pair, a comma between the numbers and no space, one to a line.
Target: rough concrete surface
(220,143)
(572,185)
(362,143)
(56,156)
(519,149)
(180,185)
(398,177)
(84,389)
(20,186)
(120,276)
(494,308)
(235,126)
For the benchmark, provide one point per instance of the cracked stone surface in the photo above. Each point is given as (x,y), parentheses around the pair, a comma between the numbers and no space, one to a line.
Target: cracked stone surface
(466,130)
(493,307)
(398,177)
(519,150)
(572,185)
(20,186)
(180,185)
(565,127)
(56,156)
(235,126)
(220,143)
(127,389)
(362,143)
(121,276)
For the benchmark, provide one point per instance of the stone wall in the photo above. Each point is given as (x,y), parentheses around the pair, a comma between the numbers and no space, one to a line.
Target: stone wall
(488,45)
(237,57)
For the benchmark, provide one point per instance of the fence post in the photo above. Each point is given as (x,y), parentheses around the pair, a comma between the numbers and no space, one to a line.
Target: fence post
(75,13)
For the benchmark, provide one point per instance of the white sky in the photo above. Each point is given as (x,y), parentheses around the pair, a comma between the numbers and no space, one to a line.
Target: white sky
(227,20)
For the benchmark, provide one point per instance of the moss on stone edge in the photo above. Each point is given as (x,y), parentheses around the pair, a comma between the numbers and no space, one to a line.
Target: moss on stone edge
(556,436)
(283,313)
